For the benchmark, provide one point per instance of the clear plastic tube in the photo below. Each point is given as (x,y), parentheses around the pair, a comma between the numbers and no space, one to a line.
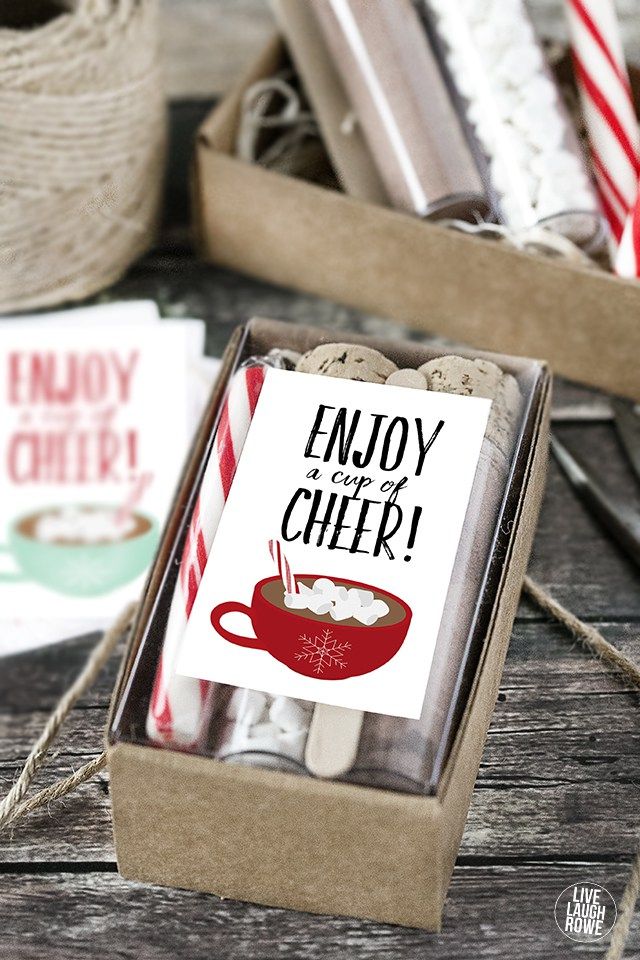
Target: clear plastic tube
(256,728)
(512,103)
(398,94)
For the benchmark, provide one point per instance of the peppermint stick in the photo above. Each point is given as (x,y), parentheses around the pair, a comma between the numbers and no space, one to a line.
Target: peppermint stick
(284,569)
(180,707)
(628,255)
(609,113)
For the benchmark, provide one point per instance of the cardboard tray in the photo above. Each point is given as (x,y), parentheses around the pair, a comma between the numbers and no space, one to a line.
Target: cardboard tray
(284,839)
(584,322)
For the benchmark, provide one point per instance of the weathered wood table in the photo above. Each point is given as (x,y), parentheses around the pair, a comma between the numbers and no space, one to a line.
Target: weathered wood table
(558,794)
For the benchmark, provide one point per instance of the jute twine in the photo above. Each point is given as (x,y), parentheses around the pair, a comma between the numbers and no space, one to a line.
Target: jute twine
(82,144)
(14,807)
(295,149)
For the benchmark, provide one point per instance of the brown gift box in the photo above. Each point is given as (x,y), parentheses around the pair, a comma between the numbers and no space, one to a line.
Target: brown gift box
(585,322)
(283,839)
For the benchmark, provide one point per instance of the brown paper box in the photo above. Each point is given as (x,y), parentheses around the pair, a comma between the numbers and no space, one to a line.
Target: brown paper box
(585,322)
(283,839)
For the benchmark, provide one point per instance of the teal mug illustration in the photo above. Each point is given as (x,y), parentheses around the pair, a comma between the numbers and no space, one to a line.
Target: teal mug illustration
(83,550)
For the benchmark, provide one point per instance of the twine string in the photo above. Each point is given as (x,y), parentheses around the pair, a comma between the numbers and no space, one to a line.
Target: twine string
(620,934)
(291,123)
(536,239)
(587,635)
(596,644)
(82,126)
(55,792)
(12,807)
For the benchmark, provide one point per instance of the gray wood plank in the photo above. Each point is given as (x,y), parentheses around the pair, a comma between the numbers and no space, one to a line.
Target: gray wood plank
(491,912)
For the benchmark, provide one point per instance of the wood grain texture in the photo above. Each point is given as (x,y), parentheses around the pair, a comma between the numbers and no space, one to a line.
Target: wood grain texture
(492,911)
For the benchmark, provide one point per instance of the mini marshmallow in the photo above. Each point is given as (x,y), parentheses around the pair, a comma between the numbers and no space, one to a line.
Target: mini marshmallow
(246,707)
(549,201)
(557,164)
(289,715)
(292,743)
(498,67)
(318,604)
(296,601)
(520,64)
(268,738)
(361,598)
(323,585)
(83,525)
(338,601)
(380,608)
(263,736)
(342,610)
(365,616)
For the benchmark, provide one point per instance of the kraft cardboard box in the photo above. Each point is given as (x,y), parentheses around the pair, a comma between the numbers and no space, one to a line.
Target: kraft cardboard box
(246,832)
(583,321)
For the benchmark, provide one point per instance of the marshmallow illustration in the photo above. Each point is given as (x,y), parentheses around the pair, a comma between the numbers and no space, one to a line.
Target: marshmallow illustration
(83,525)
(295,601)
(341,603)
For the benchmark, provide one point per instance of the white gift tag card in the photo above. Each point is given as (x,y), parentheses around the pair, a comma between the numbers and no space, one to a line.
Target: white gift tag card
(361,491)
(93,434)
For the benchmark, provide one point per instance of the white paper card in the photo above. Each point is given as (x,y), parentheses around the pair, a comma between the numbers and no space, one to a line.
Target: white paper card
(93,434)
(365,487)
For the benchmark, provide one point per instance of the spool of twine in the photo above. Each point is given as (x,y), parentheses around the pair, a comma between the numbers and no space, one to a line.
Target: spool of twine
(82,143)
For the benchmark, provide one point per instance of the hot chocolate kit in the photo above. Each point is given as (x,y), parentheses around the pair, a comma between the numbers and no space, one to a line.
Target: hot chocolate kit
(301,714)
(315,662)
(311,550)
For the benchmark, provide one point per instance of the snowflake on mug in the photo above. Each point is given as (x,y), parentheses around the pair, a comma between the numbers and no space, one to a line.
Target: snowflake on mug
(323,651)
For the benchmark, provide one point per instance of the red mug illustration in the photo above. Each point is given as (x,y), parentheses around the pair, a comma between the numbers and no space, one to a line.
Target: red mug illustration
(317,646)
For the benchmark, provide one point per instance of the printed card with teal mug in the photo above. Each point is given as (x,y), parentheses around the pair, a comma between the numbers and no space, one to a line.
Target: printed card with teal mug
(93,434)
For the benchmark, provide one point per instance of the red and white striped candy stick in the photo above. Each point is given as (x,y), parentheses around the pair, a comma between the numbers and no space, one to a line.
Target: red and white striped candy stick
(278,557)
(612,125)
(628,255)
(180,707)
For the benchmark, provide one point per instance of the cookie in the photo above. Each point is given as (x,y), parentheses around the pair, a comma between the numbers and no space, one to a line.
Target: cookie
(471,378)
(480,378)
(348,361)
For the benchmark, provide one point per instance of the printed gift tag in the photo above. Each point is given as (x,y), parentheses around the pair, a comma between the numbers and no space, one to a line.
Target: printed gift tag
(331,564)
(93,433)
